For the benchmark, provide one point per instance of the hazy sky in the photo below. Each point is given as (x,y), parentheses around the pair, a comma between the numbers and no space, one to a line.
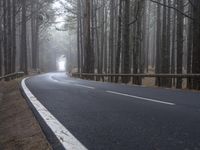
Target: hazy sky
(60,10)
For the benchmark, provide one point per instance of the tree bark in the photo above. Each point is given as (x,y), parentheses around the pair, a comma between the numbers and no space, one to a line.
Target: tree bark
(126,58)
(35,34)
(196,44)
(9,26)
(117,65)
(89,53)
(189,48)
(5,38)
(158,45)
(173,44)
(13,35)
(1,40)
(164,64)
(23,55)
(180,18)
(111,38)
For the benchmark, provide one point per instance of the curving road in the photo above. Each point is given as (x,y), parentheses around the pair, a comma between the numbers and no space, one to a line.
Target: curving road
(105,116)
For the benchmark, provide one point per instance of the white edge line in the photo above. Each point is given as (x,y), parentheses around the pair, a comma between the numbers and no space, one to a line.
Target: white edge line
(64,136)
(143,98)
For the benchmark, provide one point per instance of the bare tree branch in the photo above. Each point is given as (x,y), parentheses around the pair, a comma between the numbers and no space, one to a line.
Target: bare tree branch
(174,8)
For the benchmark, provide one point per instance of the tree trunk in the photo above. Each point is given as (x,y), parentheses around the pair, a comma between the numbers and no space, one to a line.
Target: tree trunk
(173,44)
(126,58)
(35,34)
(78,36)
(117,65)
(97,39)
(111,38)
(106,43)
(196,44)
(5,38)
(189,48)
(23,55)
(180,6)
(14,36)
(168,48)
(89,53)
(1,39)
(158,45)
(9,26)
(164,52)
(102,45)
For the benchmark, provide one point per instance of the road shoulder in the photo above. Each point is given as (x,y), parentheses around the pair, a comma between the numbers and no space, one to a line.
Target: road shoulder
(18,126)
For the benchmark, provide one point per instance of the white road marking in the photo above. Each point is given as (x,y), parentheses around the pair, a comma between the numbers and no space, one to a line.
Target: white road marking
(143,98)
(74,84)
(68,141)
(53,79)
(80,85)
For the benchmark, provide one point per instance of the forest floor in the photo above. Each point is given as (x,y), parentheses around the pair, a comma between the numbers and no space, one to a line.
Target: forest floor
(18,126)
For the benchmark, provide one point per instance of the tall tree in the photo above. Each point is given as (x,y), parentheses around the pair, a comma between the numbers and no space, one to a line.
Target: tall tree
(23,54)
(89,53)
(125,47)
(5,39)
(35,33)
(165,64)
(189,47)
(1,38)
(196,43)
(168,47)
(117,65)
(180,6)
(9,27)
(78,35)
(102,33)
(13,35)
(173,43)
(158,44)
(111,37)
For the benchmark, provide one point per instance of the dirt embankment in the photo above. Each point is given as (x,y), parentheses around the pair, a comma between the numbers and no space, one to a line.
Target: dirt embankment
(19,129)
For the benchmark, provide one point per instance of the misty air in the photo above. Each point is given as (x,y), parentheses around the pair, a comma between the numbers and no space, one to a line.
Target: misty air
(99,74)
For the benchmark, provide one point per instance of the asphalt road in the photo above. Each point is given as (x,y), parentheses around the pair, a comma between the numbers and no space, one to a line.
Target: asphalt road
(106,116)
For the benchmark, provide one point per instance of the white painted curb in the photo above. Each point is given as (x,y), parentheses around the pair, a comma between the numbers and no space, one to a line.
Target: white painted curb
(68,141)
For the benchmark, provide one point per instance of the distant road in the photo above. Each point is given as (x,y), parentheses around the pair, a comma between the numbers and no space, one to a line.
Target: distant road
(105,116)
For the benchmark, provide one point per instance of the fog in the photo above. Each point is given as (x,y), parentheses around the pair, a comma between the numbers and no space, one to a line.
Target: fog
(56,41)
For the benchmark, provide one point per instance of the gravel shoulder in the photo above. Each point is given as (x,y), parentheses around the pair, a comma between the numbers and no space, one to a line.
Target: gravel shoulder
(18,127)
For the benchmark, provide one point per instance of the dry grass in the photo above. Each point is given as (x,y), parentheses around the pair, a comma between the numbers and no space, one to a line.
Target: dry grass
(18,126)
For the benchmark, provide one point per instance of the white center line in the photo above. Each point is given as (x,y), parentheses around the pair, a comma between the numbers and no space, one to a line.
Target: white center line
(80,85)
(143,98)
(64,136)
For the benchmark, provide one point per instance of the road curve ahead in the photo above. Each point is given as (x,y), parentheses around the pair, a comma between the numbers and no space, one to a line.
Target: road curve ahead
(106,116)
